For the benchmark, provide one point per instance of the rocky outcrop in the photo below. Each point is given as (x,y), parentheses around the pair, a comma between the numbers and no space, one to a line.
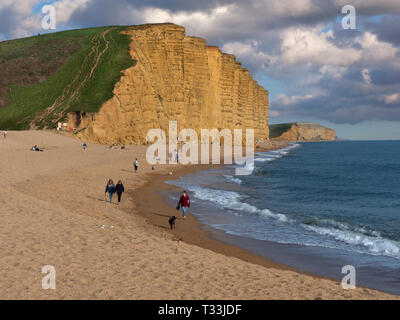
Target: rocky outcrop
(180,78)
(301,131)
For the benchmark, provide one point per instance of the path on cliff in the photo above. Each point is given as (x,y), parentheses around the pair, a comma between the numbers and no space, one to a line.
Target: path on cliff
(71,92)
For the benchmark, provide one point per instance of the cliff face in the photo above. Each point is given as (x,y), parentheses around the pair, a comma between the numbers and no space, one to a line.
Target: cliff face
(180,78)
(301,131)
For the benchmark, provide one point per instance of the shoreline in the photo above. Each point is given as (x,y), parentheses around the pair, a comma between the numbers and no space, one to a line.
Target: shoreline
(150,205)
(105,251)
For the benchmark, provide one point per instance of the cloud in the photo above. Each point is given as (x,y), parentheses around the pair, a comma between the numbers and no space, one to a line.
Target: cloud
(386,29)
(375,52)
(66,8)
(323,71)
(286,101)
(372,6)
(392,98)
(307,45)
(256,58)
(17,19)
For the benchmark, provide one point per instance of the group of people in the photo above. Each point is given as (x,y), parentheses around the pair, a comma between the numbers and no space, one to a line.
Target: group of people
(112,188)
(118,188)
(176,156)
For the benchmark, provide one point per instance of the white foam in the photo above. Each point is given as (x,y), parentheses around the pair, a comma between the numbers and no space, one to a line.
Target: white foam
(279,216)
(373,244)
(232,200)
(264,159)
(275,154)
(233,179)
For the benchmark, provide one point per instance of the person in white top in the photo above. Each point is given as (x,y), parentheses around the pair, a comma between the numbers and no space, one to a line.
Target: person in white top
(136,165)
(5,134)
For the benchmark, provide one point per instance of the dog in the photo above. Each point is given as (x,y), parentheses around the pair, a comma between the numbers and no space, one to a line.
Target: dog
(172,222)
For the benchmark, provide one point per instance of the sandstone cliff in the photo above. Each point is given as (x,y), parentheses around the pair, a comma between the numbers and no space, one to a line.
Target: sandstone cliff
(180,78)
(301,131)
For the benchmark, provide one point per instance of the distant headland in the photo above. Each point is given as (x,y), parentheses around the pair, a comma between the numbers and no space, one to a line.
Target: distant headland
(301,131)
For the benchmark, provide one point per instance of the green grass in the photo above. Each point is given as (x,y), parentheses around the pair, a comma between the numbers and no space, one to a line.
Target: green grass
(27,103)
(276,130)
(101,85)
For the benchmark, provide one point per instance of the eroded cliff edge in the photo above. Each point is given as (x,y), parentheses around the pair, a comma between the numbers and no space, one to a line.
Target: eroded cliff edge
(176,77)
(301,131)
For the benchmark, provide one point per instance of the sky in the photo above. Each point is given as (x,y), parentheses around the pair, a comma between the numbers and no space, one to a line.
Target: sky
(314,69)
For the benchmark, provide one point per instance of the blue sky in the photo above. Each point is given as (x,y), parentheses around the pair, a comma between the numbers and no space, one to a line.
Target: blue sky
(348,80)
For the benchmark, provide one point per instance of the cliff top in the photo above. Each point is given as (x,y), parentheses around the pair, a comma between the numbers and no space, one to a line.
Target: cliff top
(309,131)
(298,124)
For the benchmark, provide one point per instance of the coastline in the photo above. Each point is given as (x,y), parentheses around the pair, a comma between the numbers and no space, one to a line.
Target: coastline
(54,213)
(152,206)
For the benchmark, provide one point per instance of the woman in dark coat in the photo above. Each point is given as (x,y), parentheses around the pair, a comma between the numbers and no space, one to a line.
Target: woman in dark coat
(110,188)
(119,189)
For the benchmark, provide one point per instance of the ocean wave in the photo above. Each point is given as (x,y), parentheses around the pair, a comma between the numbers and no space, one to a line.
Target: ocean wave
(264,159)
(275,154)
(330,223)
(233,179)
(232,200)
(372,241)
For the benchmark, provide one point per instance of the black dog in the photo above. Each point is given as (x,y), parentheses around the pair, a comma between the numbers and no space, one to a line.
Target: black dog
(172,222)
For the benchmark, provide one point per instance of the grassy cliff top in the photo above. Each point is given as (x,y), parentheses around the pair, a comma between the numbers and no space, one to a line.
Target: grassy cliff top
(44,77)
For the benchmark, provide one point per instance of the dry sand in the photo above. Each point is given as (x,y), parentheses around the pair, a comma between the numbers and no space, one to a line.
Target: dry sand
(52,206)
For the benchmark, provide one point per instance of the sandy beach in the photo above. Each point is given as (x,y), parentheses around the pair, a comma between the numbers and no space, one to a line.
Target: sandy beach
(54,213)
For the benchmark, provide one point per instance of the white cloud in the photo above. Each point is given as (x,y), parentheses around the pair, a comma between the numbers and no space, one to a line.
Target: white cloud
(284,100)
(202,20)
(20,7)
(250,51)
(332,71)
(286,8)
(375,52)
(24,21)
(307,45)
(66,8)
(392,98)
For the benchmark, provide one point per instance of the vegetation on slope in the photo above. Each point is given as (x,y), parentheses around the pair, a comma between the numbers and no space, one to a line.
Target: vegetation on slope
(276,130)
(79,71)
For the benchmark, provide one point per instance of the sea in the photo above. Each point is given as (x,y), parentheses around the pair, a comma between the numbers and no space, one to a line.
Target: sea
(316,207)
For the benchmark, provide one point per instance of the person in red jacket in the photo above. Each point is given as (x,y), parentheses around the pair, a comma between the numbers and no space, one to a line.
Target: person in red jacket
(184,203)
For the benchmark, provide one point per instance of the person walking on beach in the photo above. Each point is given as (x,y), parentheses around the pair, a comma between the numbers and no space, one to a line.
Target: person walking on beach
(119,189)
(110,188)
(5,134)
(84,146)
(184,203)
(136,165)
